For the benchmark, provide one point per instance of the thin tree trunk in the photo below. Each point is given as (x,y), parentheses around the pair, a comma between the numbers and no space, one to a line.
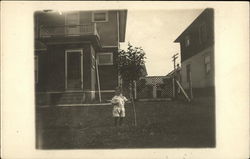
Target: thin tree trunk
(134,111)
(132,101)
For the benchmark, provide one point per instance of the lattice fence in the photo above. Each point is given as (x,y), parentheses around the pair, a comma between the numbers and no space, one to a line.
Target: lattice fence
(154,87)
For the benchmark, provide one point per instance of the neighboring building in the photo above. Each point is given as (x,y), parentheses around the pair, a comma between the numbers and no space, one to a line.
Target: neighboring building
(154,87)
(176,73)
(197,54)
(68,44)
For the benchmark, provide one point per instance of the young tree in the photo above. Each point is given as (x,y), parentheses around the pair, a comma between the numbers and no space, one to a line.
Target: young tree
(131,68)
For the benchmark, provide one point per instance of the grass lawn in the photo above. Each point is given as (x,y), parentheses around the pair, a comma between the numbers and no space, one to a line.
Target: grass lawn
(168,124)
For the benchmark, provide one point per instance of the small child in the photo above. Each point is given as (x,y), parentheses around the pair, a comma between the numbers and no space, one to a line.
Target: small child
(118,102)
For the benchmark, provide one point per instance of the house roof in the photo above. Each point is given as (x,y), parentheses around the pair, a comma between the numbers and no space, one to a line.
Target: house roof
(182,35)
(122,24)
(144,71)
(173,72)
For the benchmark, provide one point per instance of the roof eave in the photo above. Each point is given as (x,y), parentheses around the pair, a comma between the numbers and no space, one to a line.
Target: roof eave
(123,22)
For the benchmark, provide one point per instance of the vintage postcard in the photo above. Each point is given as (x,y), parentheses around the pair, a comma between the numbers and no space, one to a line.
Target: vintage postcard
(125,80)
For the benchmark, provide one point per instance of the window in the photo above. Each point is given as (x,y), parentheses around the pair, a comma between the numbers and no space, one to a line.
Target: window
(36,69)
(100,17)
(72,18)
(187,41)
(207,64)
(202,33)
(105,58)
(72,21)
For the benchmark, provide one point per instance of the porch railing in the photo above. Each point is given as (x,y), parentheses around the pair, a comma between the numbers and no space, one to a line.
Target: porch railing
(68,30)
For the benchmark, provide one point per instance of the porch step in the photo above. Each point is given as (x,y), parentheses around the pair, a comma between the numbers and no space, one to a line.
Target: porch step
(71,98)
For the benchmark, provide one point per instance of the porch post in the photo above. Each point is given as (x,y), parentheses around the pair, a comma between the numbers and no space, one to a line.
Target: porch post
(66,67)
(98,82)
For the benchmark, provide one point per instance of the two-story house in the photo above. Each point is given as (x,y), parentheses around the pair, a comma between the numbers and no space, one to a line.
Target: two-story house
(75,54)
(197,54)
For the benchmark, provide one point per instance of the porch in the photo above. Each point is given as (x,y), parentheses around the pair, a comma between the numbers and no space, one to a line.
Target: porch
(68,30)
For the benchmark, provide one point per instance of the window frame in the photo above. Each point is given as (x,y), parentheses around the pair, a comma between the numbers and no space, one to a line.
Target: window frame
(207,63)
(187,40)
(75,25)
(77,18)
(66,65)
(106,16)
(106,53)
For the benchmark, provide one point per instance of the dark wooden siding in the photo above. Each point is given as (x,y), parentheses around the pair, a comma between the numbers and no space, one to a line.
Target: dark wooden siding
(206,18)
(52,62)
(42,70)
(109,73)
(108,31)
(108,77)
(52,67)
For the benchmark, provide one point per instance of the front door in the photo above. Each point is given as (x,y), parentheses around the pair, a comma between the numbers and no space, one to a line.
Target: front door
(74,69)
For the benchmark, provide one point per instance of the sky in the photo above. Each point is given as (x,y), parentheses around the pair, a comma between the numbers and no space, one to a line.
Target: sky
(155,31)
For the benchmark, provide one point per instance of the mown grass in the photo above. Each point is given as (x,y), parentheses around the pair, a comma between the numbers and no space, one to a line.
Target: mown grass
(167,124)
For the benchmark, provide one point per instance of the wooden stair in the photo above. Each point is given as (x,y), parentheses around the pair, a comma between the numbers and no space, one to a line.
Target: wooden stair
(71,98)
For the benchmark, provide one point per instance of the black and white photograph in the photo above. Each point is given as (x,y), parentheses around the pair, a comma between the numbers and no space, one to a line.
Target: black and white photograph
(125,77)
(101,84)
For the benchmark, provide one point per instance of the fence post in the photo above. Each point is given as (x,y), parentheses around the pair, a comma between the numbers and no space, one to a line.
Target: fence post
(132,101)
(173,88)
(135,91)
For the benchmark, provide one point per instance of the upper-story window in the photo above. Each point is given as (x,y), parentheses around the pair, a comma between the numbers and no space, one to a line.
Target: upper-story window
(100,16)
(72,18)
(187,41)
(105,58)
(207,64)
(72,22)
(202,33)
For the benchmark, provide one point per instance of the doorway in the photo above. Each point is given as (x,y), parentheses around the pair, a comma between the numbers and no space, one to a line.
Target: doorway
(73,70)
